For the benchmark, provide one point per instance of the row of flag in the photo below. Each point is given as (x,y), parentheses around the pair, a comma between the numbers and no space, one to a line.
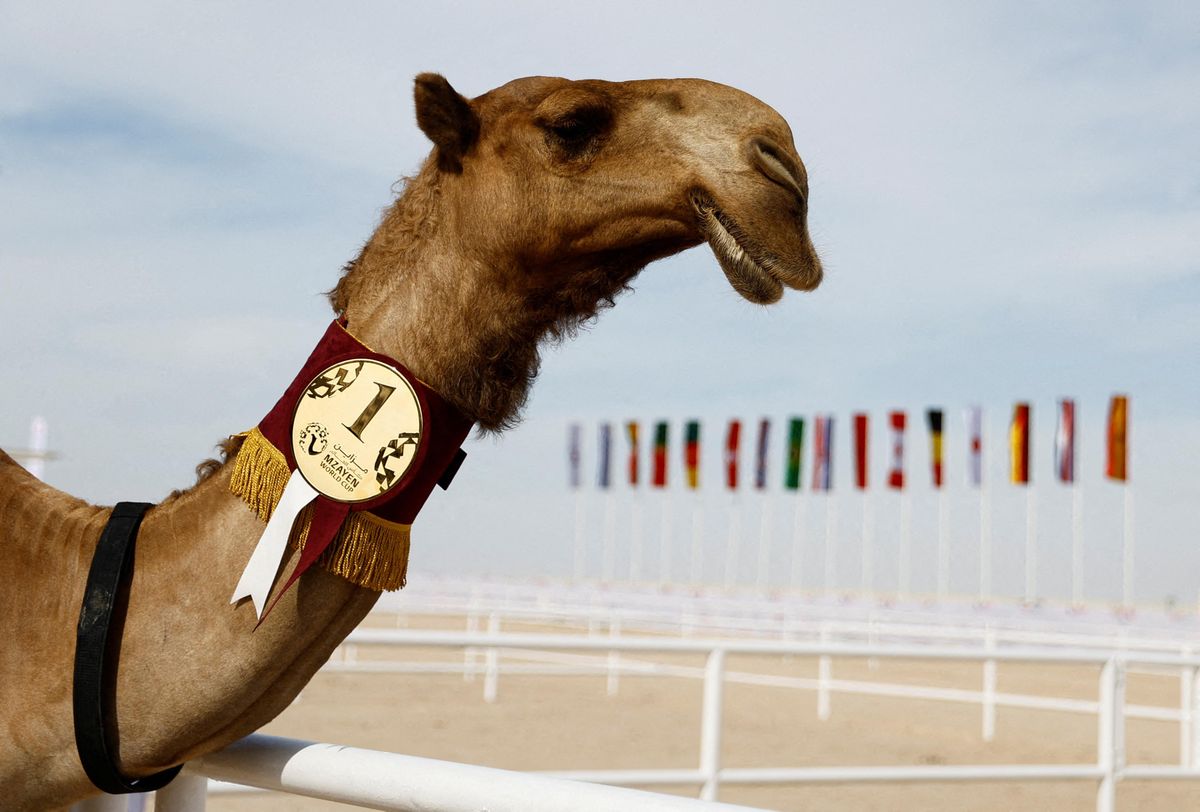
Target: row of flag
(1116,458)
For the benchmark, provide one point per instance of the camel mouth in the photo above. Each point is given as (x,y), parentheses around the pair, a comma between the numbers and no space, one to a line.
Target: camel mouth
(750,270)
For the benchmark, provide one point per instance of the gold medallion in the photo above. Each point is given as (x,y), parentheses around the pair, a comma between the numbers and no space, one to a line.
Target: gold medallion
(356,430)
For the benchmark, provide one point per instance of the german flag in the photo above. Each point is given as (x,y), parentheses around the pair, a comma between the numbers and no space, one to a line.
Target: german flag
(935,419)
(1117,466)
(660,455)
(631,431)
(795,454)
(691,453)
(1018,444)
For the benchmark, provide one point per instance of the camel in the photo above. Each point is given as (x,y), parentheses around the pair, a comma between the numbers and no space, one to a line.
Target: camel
(538,204)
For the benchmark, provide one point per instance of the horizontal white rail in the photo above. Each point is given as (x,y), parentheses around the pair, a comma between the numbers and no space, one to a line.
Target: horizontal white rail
(410,784)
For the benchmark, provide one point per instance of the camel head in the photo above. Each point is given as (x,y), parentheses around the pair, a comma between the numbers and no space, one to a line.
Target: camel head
(564,177)
(542,199)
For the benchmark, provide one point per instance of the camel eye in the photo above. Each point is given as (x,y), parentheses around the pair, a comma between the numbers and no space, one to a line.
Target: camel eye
(578,131)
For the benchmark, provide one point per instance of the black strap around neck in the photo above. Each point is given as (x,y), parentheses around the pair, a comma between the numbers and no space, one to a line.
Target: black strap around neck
(95,658)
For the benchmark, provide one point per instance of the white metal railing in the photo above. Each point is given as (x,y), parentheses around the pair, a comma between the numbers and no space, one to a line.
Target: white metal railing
(1109,767)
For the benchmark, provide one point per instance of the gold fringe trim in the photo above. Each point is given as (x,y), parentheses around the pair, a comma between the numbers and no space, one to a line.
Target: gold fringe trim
(368,551)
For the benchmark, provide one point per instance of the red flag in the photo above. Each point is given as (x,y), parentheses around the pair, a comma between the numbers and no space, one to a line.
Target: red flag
(860,450)
(1118,439)
(896,472)
(731,453)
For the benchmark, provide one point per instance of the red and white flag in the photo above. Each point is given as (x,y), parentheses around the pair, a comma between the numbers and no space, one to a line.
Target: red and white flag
(1064,441)
(732,440)
(896,469)
(861,436)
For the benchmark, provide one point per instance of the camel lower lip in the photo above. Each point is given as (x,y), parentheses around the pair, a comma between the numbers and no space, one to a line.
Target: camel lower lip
(746,274)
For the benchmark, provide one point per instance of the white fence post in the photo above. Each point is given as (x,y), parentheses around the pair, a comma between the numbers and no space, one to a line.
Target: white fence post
(1187,721)
(614,658)
(491,674)
(470,653)
(103,803)
(1111,735)
(824,675)
(187,793)
(989,687)
(710,724)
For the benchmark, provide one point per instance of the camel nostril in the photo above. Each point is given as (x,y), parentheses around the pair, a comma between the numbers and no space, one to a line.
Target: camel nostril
(776,164)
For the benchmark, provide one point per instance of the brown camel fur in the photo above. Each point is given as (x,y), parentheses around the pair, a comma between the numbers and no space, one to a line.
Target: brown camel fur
(540,202)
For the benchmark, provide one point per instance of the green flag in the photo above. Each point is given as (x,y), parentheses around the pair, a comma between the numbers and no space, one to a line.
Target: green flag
(795,452)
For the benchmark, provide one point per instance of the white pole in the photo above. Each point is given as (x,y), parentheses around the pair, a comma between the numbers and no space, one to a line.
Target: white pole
(1187,692)
(764,540)
(1127,552)
(905,566)
(608,562)
(731,543)
(989,687)
(830,542)
(38,431)
(985,544)
(710,724)
(868,545)
(697,540)
(824,676)
(1077,544)
(1030,545)
(580,540)
(187,793)
(664,542)
(798,527)
(943,546)
(635,539)
(491,673)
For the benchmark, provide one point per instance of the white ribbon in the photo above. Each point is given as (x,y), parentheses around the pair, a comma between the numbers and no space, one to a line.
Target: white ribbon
(259,575)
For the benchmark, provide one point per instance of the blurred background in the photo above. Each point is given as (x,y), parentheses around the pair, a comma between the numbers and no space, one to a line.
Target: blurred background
(1006,198)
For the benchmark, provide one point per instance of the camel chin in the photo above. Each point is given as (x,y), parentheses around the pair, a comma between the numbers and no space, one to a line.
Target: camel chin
(750,275)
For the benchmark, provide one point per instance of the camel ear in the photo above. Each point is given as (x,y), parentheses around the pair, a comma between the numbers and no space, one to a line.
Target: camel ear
(447,118)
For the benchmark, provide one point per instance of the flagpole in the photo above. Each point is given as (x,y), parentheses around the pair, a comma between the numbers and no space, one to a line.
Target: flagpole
(664,541)
(830,543)
(580,542)
(1030,544)
(731,542)
(985,544)
(608,564)
(1127,551)
(1077,544)
(943,547)
(868,541)
(635,539)
(764,540)
(905,544)
(697,541)
(799,514)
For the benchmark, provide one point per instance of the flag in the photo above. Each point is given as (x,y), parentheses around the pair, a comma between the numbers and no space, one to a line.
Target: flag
(631,431)
(732,436)
(823,453)
(691,453)
(795,454)
(896,472)
(574,434)
(973,417)
(1018,441)
(602,475)
(1064,441)
(860,450)
(760,464)
(934,417)
(1117,466)
(660,455)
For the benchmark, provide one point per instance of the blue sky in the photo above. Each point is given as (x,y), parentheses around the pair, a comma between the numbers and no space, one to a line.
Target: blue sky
(1006,197)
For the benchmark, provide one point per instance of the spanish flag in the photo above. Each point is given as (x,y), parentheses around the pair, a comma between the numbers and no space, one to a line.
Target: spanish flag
(795,453)
(1018,442)
(935,419)
(1118,430)
(691,453)
(660,455)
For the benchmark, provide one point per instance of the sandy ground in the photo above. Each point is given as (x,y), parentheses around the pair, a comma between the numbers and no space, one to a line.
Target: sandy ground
(569,722)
